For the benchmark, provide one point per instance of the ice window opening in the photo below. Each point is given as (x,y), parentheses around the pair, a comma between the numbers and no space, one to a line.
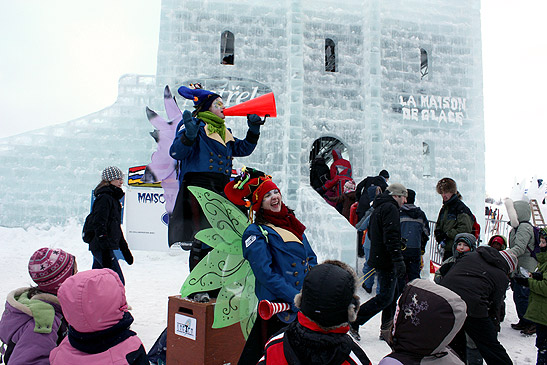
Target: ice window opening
(424,64)
(227,48)
(427,159)
(330,55)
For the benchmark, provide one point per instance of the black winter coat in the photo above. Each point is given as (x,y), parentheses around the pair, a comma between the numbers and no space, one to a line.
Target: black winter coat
(362,194)
(454,217)
(480,278)
(107,216)
(384,231)
(303,342)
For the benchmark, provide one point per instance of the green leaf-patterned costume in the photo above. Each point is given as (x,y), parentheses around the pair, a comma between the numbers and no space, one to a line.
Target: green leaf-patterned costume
(224,267)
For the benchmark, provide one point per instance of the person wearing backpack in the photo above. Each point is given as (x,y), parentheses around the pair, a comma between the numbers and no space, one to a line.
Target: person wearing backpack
(454,217)
(106,223)
(521,243)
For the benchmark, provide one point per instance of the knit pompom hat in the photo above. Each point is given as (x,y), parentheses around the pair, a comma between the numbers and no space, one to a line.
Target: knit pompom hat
(510,258)
(111,173)
(249,188)
(447,185)
(202,98)
(50,267)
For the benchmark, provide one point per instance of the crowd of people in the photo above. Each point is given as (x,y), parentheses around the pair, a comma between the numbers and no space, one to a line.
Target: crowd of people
(83,317)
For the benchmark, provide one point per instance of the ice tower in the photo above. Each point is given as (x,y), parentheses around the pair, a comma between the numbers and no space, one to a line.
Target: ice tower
(395,84)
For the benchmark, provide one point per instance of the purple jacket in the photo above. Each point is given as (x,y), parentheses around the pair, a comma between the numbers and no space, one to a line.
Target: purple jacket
(29,327)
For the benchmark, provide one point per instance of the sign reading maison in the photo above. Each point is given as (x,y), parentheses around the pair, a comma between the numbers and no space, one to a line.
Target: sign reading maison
(434,108)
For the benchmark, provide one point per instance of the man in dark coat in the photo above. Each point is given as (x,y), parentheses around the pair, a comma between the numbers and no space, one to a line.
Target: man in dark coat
(364,196)
(385,254)
(481,278)
(454,217)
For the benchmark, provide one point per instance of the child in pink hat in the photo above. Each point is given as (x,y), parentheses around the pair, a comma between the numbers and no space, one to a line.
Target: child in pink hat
(32,323)
(96,309)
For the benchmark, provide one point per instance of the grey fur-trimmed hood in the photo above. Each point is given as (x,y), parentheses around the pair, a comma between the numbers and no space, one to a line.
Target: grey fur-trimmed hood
(519,211)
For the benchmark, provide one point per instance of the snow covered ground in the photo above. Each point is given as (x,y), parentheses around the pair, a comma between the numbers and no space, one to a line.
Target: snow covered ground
(156,275)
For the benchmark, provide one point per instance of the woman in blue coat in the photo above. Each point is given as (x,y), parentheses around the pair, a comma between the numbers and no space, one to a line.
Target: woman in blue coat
(204,149)
(278,251)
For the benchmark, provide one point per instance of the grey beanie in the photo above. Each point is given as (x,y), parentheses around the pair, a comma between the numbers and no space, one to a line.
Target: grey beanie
(112,173)
(397,189)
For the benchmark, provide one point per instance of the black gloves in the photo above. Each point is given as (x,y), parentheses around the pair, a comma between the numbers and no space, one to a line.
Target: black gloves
(321,190)
(106,257)
(399,269)
(441,237)
(190,124)
(128,257)
(254,122)
(522,281)
(537,276)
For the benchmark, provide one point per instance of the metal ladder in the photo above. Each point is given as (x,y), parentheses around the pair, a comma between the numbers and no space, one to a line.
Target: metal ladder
(537,217)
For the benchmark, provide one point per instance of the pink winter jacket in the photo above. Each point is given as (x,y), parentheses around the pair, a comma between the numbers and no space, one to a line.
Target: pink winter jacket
(93,301)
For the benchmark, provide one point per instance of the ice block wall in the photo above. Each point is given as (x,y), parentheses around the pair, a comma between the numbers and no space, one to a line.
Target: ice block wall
(377,102)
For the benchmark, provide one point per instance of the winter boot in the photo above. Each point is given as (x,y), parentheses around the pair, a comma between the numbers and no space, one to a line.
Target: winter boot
(354,332)
(518,326)
(367,289)
(529,330)
(385,331)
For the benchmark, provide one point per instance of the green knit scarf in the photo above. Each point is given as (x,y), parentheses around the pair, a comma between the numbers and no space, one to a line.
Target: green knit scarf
(216,123)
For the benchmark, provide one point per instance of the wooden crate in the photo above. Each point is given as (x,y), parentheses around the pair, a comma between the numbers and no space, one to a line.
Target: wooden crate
(192,340)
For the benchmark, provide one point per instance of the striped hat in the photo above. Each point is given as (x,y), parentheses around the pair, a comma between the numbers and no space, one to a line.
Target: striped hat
(511,259)
(50,267)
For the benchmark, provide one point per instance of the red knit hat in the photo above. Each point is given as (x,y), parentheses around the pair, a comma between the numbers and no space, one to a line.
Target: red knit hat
(249,188)
(50,267)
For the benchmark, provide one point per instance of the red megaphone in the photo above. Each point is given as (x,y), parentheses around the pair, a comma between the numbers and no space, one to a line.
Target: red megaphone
(267,309)
(262,106)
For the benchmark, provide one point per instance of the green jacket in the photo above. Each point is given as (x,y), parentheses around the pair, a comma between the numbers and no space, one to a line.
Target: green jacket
(537,302)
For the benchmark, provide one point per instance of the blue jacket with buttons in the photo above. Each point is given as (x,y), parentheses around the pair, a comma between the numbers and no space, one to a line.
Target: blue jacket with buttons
(208,152)
(279,261)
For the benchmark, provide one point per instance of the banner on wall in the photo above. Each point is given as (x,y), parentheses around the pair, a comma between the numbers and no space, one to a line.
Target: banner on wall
(146,219)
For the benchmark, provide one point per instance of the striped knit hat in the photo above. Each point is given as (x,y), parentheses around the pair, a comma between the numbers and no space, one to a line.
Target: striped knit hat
(50,267)
(511,259)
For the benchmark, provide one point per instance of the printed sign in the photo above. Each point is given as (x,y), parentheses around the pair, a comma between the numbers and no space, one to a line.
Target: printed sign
(232,90)
(185,326)
(146,219)
(136,177)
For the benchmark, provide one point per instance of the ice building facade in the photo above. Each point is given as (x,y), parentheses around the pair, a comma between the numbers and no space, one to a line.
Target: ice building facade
(396,84)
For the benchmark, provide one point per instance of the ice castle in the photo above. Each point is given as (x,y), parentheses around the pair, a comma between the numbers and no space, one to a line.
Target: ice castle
(396,84)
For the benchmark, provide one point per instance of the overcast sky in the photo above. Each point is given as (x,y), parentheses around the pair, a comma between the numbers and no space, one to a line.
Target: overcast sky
(61,59)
